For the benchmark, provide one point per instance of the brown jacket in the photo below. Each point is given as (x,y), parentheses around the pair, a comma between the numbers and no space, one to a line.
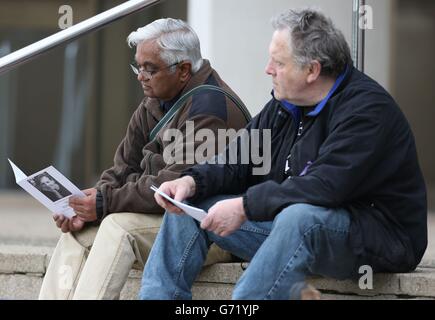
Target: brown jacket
(138,162)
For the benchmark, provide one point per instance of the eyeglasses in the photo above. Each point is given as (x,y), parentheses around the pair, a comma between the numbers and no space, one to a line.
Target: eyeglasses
(148,74)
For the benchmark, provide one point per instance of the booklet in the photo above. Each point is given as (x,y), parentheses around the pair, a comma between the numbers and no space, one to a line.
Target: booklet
(196,213)
(50,187)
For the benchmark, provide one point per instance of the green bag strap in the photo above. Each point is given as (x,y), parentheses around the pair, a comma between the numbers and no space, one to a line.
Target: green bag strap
(180,102)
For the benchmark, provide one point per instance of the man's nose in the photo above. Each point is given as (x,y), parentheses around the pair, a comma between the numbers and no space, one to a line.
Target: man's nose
(269,69)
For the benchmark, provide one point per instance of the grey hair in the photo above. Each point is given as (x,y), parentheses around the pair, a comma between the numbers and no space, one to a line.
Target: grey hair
(176,39)
(313,36)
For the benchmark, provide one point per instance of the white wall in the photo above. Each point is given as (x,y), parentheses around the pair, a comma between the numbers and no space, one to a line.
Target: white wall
(235,36)
(378,51)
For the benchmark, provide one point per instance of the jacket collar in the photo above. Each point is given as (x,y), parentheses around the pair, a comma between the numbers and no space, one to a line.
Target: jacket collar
(313,111)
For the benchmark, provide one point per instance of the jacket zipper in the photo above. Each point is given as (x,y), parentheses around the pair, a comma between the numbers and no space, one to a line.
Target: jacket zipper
(300,129)
(298,135)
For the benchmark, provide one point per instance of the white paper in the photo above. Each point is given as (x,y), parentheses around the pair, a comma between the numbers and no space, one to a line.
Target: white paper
(50,187)
(196,213)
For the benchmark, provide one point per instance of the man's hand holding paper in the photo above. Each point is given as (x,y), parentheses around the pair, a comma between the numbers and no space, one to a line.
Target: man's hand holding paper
(223,218)
(179,190)
(50,187)
(85,207)
(68,224)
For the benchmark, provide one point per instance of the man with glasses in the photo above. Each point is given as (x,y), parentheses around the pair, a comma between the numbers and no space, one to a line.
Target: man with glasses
(117,221)
(148,74)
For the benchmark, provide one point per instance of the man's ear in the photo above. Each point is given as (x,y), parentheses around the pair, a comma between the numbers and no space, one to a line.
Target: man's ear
(185,71)
(314,70)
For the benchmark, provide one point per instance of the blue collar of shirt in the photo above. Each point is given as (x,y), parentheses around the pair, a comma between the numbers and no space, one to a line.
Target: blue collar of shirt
(296,112)
(167,105)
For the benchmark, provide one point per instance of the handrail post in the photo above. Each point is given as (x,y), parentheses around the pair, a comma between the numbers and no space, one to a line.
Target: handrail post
(358,36)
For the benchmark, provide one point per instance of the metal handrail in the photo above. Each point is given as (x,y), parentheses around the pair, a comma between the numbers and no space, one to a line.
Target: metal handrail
(358,36)
(31,51)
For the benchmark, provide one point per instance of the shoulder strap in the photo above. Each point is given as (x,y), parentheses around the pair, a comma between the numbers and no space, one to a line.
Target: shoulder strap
(180,102)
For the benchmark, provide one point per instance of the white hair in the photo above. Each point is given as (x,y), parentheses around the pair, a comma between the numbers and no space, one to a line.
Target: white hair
(313,36)
(176,39)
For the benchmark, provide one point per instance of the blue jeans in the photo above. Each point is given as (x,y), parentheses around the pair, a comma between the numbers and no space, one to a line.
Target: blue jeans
(302,240)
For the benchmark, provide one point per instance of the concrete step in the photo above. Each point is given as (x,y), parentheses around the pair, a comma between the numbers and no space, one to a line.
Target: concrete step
(22,269)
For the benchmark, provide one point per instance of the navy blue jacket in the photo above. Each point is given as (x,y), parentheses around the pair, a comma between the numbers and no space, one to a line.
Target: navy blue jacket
(358,153)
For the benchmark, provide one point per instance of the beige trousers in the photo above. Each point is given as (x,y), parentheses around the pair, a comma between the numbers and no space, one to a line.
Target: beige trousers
(94,263)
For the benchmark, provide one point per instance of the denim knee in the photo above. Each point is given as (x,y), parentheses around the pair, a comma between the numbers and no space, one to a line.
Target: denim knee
(299,217)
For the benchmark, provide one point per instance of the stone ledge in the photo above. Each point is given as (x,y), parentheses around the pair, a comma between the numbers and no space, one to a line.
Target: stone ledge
(227,273)
(382,284)
(22,269)
(419,283)
(335,296)
(20,286)
(24,259)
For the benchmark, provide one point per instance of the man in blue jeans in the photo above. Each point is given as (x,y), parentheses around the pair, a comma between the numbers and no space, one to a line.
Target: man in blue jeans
(344,190)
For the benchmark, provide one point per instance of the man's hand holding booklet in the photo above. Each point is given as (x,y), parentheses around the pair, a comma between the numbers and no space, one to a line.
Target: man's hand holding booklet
(50,187)
(196,213)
